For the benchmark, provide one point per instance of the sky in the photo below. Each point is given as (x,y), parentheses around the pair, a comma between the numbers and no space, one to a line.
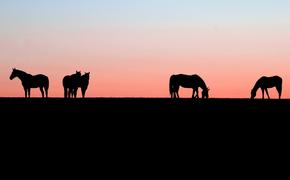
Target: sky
(132,47)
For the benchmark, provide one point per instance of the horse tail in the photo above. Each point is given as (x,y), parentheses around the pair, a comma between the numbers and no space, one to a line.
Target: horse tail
(172,86)
(65,86)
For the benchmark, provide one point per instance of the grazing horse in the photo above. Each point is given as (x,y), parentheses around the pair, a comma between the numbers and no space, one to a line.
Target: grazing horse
(84,83)
(187,81)
(31,81)
(267,82)
(70,84)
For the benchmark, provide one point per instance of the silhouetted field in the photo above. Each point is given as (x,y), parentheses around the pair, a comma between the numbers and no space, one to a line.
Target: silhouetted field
(147,116)
(236,125)
(144,107)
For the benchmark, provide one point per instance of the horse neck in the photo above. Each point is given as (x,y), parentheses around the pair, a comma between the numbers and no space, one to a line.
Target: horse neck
(256,87)
(22,75)
(203,85)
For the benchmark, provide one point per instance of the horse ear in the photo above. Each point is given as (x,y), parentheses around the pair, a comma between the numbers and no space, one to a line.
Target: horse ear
(208,88)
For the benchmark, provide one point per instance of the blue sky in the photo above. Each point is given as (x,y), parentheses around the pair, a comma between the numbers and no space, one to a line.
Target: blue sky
(144,12)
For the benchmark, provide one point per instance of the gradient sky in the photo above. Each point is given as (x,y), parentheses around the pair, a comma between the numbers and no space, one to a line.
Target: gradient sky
(131,47)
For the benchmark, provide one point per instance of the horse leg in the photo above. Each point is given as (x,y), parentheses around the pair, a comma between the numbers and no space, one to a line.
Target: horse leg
(279,89)
(174,92)
(193,93)
(263,93)
(83,92)
(65,92)
(69,92)
(25,92)
(46,92)
(28,92)
(42,92)
(267,93)
(75,92)
(72,93)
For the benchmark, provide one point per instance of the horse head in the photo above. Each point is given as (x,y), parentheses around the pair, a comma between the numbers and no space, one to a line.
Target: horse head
(253,94)
(13,74)
(78,73)
(87,75)
(205,93)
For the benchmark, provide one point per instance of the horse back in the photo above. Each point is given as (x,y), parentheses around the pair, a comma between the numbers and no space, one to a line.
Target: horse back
(38,80)
(187,81)
(269,82)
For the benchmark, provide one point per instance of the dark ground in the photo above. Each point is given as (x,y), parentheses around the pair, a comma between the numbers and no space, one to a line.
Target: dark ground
(129,107)
(148,113)
(231,131)
(157,113)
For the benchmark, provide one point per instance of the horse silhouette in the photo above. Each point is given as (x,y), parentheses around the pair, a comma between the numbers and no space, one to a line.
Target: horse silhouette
(267,82)
(84,83)
(70,84)
(31,81)
(187,81)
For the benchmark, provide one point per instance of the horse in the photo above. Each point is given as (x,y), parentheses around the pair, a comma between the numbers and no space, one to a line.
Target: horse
(70,84)
(187,81)
(31,81)
(267,82)
(84,83)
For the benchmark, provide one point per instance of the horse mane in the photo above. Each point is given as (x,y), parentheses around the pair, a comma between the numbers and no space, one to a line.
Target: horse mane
(256,86)
(20,71)
(258,83)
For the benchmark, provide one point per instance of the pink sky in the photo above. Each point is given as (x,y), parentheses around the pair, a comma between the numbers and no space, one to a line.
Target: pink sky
(130,57)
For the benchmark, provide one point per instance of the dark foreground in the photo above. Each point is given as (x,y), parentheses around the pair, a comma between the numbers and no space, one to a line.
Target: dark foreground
(148,115)
(149,105)
(218,130)
(138,108)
